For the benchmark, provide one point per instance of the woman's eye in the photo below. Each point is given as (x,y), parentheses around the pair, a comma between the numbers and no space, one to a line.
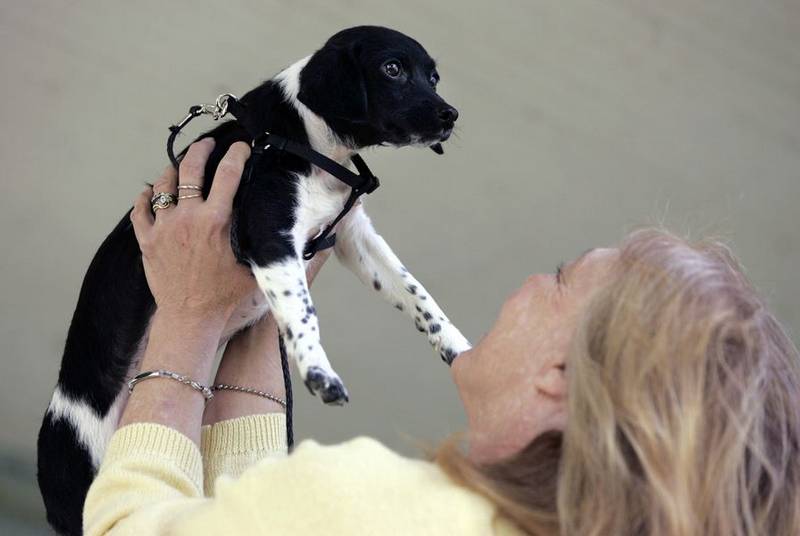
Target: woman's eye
(392,69)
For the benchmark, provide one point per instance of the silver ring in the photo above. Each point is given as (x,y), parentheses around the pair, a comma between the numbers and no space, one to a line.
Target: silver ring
(161,200)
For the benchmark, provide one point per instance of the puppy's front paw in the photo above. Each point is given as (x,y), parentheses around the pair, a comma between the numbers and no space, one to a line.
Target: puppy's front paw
(447,340)
(328,386)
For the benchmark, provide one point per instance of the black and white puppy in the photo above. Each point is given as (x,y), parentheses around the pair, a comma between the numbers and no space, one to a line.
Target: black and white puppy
(366,86)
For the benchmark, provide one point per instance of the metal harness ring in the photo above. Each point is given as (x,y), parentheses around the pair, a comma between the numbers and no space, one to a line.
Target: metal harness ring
(217,111)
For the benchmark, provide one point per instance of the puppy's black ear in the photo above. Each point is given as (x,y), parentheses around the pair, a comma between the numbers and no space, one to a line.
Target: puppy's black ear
(332,84)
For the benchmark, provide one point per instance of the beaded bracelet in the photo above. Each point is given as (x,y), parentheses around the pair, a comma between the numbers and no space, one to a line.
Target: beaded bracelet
(205,391)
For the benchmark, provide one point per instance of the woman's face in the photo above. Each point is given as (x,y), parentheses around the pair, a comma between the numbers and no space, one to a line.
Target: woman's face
(512,383)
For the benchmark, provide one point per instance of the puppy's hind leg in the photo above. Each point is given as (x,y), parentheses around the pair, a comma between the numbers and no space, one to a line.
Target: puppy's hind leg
(65,472)
(285,287)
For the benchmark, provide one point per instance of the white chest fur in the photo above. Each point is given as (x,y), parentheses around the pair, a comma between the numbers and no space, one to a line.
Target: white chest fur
(320,198)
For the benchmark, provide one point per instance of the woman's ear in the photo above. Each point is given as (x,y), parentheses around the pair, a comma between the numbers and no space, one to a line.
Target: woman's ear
(552,381)
(332,84)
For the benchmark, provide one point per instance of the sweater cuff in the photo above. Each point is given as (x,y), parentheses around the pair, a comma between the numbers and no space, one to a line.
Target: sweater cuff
(159,442)
(230,447)
(265,432)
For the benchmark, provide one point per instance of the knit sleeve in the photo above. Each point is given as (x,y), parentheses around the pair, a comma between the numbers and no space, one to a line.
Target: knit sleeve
(151,482)
(146,467)
(232,446)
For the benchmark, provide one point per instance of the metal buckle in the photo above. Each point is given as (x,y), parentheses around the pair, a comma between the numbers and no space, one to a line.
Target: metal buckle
(266,146)
(219,109)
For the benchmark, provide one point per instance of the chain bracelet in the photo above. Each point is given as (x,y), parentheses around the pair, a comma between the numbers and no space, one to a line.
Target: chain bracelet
(205,391)
(249,390)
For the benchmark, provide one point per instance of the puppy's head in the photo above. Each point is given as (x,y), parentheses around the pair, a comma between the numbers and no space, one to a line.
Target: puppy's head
(374,85)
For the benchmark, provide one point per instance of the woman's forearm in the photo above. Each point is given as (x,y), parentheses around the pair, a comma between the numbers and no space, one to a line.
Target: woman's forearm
(252,359)
(186,345)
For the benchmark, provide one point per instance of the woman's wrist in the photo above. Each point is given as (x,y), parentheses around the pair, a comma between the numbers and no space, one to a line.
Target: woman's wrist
(183,344)
(228,405)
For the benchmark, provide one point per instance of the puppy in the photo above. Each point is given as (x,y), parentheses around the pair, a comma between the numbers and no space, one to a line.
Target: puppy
(366,86)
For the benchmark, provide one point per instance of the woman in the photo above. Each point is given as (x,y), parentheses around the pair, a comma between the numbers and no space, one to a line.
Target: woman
(640,390)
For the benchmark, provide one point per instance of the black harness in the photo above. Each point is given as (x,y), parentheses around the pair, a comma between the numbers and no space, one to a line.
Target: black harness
(262,142)
(365,182)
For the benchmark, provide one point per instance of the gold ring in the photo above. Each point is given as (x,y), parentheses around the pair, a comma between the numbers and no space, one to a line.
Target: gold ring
(161,200)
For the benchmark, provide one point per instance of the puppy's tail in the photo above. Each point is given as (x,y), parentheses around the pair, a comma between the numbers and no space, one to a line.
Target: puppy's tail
(65,472)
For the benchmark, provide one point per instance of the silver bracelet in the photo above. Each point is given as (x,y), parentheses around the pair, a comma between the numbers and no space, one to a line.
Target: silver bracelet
(205,391)
(250,390)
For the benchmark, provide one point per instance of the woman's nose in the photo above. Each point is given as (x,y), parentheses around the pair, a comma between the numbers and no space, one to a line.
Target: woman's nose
(533,286)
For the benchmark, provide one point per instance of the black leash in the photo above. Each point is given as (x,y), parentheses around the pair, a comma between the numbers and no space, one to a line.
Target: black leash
(287,384)
(365,182)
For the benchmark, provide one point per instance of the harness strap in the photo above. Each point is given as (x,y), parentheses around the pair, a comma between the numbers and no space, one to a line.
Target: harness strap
(365,182)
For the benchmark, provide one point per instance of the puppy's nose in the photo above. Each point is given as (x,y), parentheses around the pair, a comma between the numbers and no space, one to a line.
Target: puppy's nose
(448,114)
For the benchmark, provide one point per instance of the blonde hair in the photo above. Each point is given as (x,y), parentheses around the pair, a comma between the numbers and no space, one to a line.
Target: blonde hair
(684,401)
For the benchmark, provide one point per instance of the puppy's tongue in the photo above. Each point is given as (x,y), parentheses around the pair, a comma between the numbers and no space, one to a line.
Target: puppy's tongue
(437,148)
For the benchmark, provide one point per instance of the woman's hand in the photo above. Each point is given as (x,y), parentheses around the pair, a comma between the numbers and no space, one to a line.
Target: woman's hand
(186,249)
(196,283)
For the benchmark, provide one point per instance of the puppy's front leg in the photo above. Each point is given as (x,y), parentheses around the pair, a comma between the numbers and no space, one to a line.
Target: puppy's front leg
(368,255)
(285,287)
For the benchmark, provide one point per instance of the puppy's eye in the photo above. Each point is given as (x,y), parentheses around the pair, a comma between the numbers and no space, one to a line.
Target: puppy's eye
(434,79)
(392,69)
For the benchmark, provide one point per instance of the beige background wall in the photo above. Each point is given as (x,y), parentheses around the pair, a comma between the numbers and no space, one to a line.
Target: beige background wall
(579,121)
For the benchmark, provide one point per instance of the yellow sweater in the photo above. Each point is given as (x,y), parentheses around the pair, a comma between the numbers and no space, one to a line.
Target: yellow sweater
(155,480)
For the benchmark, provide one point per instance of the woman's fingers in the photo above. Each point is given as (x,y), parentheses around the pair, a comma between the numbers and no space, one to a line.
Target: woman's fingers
(141,215)
(193,165)
(228,176)
(192,172)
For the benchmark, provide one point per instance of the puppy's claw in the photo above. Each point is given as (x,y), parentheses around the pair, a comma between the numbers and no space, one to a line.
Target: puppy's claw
(448,355)
(329,388)
(437,148)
